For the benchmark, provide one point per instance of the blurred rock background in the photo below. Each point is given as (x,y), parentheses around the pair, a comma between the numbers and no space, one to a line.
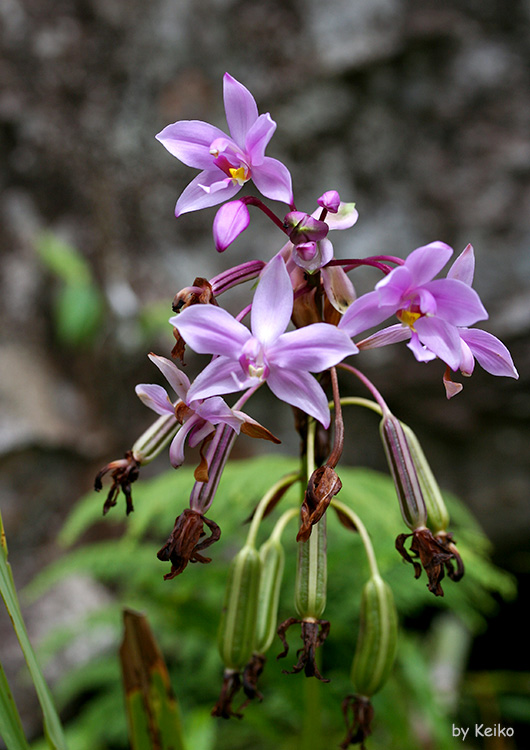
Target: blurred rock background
(418,111)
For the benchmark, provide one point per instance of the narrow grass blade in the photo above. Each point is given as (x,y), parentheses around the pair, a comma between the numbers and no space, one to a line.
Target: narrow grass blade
(52,725)
(10,725)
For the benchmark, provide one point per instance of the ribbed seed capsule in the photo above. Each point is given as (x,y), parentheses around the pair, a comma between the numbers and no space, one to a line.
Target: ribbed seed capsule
(311,574)
(437,513)
(377,641)
(272,559)
(238,618)
(403,472)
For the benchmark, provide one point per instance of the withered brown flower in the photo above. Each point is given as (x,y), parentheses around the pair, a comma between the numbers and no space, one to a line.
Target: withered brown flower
(313,635)
(435,555)
(184,543)
(124,472)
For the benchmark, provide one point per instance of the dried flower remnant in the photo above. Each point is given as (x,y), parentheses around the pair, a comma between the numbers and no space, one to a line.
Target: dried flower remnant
(314,633)
(124,472)
(359,727)
(184,544)
(433,555)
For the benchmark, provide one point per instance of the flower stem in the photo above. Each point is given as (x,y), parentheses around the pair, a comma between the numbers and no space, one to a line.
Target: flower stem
(363,533)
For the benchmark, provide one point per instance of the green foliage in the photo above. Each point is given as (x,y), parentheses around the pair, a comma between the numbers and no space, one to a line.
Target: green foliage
(184,613)
(78,303)
(10,726)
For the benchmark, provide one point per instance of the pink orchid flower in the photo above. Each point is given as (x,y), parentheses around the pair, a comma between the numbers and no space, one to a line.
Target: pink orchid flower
(198,417)
(265,353)
(431,311)
(228,162)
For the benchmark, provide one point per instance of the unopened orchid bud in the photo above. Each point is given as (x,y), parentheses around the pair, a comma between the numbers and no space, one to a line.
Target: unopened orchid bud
(302,227)
(272,559)
(437,513)
(374,658)
(377,640)
(238,620)
(230,221)
(403,471)
(311,574)
(155,438)
(330,200)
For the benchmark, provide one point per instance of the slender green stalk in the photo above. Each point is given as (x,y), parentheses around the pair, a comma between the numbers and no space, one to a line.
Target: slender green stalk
(263,503)
(11,730)
(363,533)
(52,726)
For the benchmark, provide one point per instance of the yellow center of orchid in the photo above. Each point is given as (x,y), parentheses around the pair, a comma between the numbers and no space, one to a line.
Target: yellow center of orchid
(239,175)
(408,318)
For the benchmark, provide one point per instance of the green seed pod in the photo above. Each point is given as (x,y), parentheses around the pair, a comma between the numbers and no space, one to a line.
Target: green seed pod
(272,561)
(437,513)
(403,472)
(311,574)
(238,619)
(377,640)
(155,438)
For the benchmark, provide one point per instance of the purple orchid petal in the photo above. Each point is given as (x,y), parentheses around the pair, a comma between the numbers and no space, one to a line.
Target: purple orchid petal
(441,338)
(393,288)
(338,287)
(491,353)
(198,433)
(258,138)
(426,261)
(467,362)
(216,411)
(272,305)
(223,375)
(230,221)
(300,389)
(386,336)
(364,313)
(463,269)
(176,449)
(189,141)
(419,350)
(314,347)
(426,301)
(195,196)
(176,379)
(208,329)
(240,108)
(273,180)
(456,302)
(155,397)
(345,217)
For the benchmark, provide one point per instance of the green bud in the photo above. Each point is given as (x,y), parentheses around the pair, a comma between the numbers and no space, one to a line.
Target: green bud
(403,472)
(238,619)
(272,559)
(155,438)
(377,640)
(311,574)
(437,513)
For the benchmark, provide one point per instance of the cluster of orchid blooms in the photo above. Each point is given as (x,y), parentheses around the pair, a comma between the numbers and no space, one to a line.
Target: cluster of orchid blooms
(302,284)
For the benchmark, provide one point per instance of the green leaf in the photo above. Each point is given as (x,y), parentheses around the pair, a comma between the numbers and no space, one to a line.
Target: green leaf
(10,725)
(152,709)
(52,725)
(78,312)
(62,259)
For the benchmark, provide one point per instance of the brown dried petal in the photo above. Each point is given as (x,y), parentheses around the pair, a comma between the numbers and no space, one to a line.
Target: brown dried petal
(323,485)
(184,543)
